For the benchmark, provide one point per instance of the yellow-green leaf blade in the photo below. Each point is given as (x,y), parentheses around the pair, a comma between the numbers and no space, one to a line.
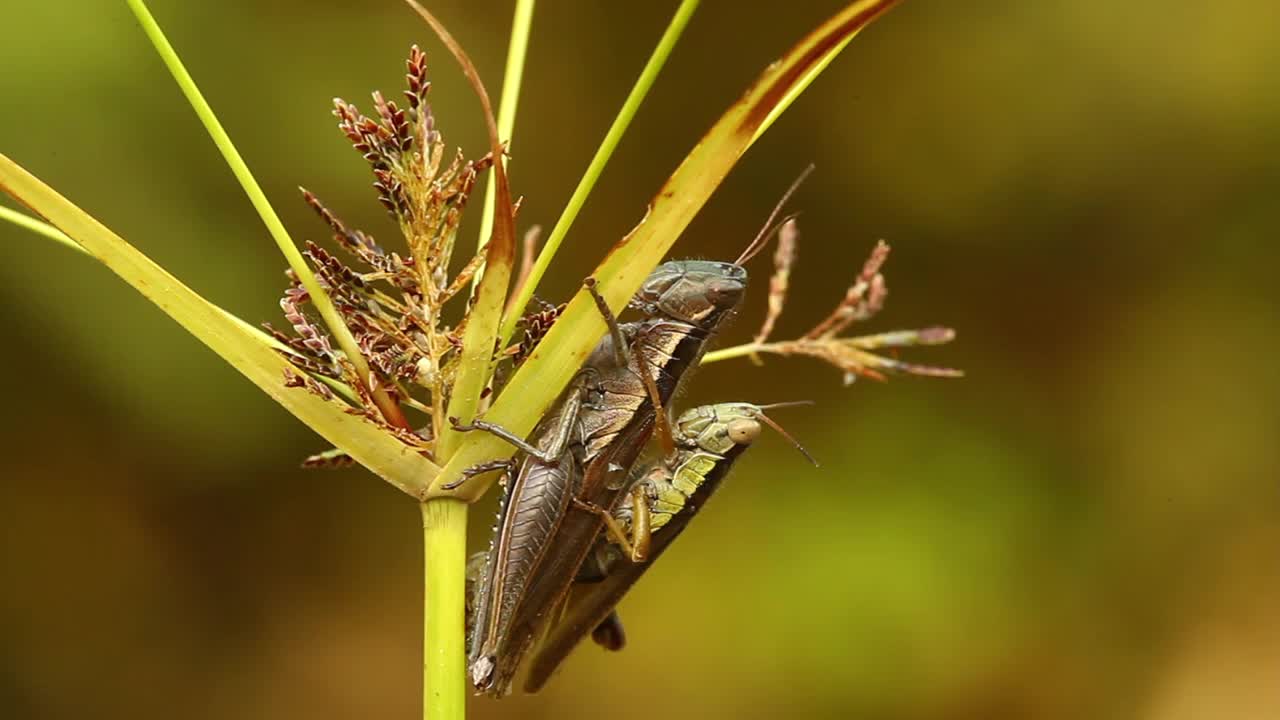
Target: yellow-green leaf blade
(549,368)
(479,339)
(246,350)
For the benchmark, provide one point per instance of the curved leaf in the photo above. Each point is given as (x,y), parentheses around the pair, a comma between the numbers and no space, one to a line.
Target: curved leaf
(551,365)
(248,351)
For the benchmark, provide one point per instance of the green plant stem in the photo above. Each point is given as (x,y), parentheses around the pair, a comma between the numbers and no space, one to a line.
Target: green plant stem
(735,352)
(39,227)
(512,77)
(444,535)
(319,298)
(611,139)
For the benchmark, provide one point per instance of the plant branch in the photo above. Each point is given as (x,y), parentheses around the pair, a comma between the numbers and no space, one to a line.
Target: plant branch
(736,351)
(852,355)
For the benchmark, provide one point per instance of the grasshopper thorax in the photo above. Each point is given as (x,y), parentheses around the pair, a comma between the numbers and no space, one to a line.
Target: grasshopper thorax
(700,292)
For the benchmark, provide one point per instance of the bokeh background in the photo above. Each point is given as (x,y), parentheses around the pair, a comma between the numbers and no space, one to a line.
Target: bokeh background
(1085,526)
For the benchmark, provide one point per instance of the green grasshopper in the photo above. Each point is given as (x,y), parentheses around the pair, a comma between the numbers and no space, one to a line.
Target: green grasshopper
(665,497)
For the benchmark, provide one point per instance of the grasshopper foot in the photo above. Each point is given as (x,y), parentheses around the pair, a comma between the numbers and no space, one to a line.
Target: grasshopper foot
(460,426)
(480,469)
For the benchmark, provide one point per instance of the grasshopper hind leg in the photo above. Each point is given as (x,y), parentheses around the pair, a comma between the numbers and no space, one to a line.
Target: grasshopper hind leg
(634,545)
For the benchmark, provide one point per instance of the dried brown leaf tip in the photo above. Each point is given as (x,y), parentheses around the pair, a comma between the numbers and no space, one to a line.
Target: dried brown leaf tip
(393,304)
(864,298)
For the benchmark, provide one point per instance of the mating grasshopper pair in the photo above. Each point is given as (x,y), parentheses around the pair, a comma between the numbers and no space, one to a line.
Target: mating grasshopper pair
(577,467)
(573,509)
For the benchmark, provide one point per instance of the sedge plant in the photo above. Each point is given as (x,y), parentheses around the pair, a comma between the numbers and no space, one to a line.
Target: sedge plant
(381,346)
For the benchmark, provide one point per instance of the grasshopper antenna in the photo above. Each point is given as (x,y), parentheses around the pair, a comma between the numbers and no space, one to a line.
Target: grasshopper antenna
(787,404)
(779,429)
(770,225)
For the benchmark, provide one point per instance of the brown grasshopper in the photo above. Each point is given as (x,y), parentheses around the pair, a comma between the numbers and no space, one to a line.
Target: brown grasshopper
(665,497)
(575,469)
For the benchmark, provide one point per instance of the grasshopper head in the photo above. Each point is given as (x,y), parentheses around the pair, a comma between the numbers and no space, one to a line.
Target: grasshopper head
(725,427)
(699,292)
(719,428)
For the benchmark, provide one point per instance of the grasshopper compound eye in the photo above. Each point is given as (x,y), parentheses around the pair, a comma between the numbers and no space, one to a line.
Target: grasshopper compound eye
(743,431)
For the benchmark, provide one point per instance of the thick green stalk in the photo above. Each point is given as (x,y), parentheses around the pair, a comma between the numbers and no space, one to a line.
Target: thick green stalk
(611,139)
(444,535)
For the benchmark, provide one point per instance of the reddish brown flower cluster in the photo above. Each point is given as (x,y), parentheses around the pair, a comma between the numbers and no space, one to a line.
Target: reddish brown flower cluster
(393,304)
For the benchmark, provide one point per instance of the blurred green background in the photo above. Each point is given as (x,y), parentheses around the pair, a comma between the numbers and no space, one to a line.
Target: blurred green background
(1085,526)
